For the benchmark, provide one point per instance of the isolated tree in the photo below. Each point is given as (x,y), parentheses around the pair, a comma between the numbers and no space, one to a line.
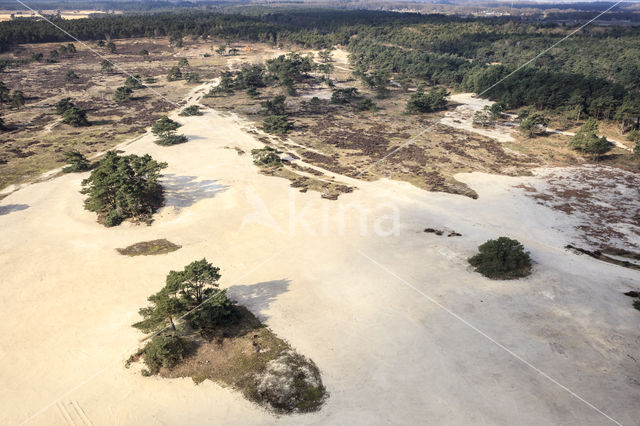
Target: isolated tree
(266,156)
(183,62)
(221,50)
(17,99)
(192,77)
(534,124)
(106,66)
(63,104)
(37,57)
(366,104)
(165,129)
(3,126)
(143,52)
(77,162)
(275,106)
(587,141)
(133,82)
(75,117)
(111,47)
(252,92)
(421,102)
(122,94)
(502,258)
(4,93)
(174,74)
(278,124)
(191,111)
(71,76)
(196,282)
(53,55)
(123,187)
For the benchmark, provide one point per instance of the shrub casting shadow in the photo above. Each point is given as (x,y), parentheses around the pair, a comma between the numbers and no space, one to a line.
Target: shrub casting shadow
(185,191)
(257,297)
(12,208)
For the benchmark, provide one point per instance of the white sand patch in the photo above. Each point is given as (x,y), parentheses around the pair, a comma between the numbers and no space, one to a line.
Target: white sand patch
(386,354)
(462,117)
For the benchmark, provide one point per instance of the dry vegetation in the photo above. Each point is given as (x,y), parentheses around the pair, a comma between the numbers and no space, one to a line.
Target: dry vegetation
(149,248)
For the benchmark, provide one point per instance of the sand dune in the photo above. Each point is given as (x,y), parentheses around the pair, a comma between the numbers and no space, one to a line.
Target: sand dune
(358,300)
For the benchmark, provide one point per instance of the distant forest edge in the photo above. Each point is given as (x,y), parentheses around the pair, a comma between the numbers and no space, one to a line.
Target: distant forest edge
(596,72)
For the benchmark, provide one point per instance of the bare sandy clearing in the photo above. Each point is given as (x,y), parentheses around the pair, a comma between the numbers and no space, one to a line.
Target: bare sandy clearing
(304,265)
(462,117)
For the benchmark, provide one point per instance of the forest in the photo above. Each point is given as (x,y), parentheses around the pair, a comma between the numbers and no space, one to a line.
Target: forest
(596,72)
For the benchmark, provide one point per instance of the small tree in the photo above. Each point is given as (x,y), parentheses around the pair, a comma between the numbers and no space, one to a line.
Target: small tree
(534,124)
(586,140)
(106,66)
(366,104)
(111,47)
(77,162)
(17,99)
(278,124)
(164,350)
(71,76)
(75,117)
(266,156)
(122,94)
(343,96)
(174,74)
(63,105)
(190,111)
(196,282)
(123,187)
(421,102)
(503,258)
(143,52)
(133,82)
(165,129)
(183,62)
(192,77)
(275,106)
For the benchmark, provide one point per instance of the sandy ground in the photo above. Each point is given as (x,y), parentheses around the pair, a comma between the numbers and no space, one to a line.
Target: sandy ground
(364,303)
(462,117)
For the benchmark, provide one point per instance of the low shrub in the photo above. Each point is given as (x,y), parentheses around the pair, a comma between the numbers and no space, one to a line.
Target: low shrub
(164,350)
(503,258)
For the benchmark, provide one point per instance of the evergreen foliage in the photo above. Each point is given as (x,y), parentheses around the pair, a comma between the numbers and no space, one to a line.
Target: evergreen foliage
(502,258)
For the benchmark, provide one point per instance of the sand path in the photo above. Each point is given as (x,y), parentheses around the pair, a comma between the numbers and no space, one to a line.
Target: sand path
(357,301)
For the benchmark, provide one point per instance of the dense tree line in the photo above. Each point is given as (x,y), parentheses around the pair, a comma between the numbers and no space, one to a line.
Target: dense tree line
(595,72)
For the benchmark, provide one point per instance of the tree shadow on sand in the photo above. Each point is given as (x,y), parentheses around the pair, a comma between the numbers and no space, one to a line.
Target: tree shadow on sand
(258,297)
(10,208)
(185,191)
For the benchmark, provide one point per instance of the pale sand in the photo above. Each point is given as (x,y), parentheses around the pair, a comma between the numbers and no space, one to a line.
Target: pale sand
(462,117)
(387,354)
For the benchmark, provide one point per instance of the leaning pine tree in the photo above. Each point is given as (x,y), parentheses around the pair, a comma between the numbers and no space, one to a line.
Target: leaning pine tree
(122,187)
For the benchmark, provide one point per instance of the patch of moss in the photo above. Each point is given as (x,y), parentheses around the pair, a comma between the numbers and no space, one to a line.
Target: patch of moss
(149,248)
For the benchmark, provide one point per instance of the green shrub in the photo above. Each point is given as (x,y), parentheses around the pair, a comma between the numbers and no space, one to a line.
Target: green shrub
(77,162)
(586,140)
(164,350)
(174,74)
(171,139)
(366,104)
(122,94)
(215,312)
(266,156)
(63,105)
(421,102)
(75,117)
(278,124)
(190,111)
(121,187)
(133,82)
(503,258)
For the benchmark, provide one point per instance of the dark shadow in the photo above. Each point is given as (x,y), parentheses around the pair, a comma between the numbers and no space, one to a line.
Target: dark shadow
(257,297)
(185,191)
(12,208)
